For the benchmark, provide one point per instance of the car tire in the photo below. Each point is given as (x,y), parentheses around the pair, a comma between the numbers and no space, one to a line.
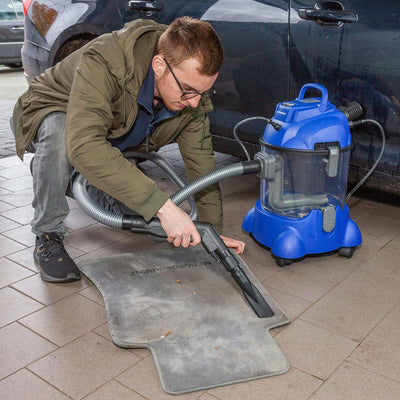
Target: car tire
(14,65)
(69,47)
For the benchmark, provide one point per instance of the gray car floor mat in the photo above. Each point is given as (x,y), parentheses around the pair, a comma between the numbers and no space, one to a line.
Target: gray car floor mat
(187,309)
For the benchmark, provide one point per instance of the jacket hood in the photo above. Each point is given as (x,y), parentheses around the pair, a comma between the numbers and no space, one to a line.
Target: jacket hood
(138,37)
(129,50)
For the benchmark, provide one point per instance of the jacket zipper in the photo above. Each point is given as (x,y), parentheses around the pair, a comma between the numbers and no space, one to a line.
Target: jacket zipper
(204,130)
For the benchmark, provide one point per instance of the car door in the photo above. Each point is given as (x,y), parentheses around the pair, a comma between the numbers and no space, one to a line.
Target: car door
(254,76)
(352,47)
(317,33)
(11,32)
(354,52)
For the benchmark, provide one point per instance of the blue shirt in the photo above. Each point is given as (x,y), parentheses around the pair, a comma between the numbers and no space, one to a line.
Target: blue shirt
(147,119)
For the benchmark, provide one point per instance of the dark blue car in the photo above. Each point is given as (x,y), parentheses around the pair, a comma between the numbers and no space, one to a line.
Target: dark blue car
(272,48)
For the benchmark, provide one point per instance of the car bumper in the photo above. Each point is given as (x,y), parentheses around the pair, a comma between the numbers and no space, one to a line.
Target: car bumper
(34,59)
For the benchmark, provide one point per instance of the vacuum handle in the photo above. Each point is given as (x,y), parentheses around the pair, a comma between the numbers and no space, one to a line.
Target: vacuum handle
(322,89)
(210,239)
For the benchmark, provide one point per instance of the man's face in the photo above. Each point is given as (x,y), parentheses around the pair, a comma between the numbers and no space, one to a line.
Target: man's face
(167,88)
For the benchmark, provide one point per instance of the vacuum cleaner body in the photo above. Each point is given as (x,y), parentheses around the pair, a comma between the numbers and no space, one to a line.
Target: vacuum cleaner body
(306,154)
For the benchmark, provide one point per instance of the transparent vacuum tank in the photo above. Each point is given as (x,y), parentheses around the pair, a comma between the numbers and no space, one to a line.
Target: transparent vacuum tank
(305,180)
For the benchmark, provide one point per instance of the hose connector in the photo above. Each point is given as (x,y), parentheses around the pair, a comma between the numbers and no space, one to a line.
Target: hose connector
(352,110)
(267,165)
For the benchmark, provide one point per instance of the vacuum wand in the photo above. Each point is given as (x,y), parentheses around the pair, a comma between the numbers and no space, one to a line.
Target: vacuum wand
(215,246)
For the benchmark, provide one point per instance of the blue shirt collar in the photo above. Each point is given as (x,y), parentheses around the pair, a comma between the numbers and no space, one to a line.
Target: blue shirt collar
(146,95)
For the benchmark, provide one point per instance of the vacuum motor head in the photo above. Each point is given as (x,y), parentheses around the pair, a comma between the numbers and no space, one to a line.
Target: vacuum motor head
(308,123)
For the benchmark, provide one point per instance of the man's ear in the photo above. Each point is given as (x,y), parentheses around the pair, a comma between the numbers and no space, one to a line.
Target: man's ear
(158,65)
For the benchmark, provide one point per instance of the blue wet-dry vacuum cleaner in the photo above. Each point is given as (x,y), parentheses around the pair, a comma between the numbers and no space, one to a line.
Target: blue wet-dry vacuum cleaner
(303,166)
(302,207)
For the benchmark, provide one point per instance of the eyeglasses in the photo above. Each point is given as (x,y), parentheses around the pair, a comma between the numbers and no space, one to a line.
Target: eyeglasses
(190,94)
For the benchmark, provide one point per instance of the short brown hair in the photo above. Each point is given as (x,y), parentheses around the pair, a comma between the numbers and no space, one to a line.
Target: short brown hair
(188,37)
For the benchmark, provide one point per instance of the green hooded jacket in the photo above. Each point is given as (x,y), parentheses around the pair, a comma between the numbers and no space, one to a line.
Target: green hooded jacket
(97,86)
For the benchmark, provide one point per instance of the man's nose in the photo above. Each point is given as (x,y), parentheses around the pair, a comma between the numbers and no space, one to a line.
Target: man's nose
(194,101)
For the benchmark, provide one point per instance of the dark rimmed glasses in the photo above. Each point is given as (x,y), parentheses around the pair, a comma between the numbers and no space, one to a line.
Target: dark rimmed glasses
(187,95)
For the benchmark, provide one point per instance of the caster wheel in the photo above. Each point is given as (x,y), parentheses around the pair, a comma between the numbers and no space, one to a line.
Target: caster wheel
(346,252)
(283,261)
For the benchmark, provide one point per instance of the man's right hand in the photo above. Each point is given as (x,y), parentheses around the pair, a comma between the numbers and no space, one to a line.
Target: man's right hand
(178,226)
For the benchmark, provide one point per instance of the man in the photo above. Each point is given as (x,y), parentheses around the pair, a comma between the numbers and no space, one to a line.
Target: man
(141,87)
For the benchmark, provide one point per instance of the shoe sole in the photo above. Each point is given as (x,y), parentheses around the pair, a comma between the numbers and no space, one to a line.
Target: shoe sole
(48,278)
(69,278)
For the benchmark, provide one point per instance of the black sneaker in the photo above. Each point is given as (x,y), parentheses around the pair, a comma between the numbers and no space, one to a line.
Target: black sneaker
(55,264)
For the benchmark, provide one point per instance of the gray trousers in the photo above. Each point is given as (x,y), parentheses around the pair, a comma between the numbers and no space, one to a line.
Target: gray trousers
(51,173)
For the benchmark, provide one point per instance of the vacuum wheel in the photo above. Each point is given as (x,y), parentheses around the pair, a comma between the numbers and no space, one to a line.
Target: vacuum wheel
(346,252)
(283,261)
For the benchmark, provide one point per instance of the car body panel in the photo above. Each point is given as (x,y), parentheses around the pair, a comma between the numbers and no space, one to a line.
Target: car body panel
(11,32)
(50,24)
(272,48)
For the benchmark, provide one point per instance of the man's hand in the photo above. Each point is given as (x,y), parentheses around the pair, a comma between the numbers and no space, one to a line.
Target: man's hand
(234,244)
(181,230)
(178,226)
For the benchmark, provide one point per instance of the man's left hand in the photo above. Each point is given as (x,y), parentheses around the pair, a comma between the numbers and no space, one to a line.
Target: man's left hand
(236,245)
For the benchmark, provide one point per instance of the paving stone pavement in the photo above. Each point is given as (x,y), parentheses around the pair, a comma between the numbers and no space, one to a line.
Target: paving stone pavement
(12,85)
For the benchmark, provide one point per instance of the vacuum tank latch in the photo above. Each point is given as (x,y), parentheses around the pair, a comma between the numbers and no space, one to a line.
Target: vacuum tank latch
(333,161)
(328,218)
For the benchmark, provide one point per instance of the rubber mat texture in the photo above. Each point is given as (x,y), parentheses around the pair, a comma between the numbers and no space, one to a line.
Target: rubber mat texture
(187,309)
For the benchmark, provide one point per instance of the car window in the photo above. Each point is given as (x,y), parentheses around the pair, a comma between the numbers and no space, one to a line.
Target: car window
(7,11)
(18,9)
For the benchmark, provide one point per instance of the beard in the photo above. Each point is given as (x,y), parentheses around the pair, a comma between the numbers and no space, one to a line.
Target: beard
(174,106)
(169,105)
